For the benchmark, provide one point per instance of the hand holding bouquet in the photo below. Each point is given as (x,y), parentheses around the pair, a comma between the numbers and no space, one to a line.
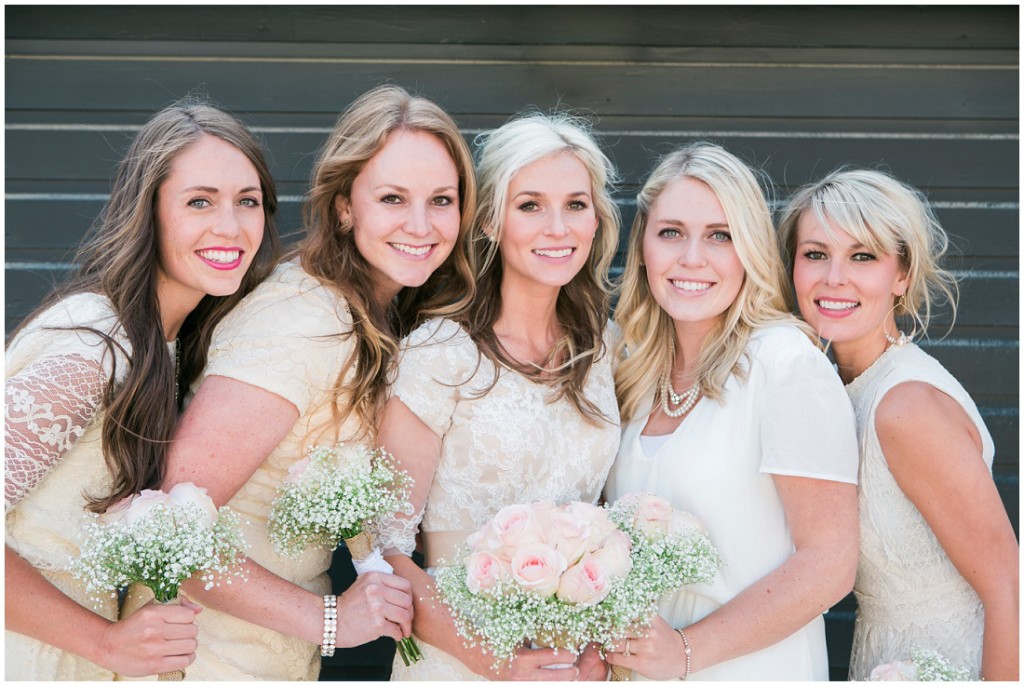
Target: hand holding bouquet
(159,540)
(334,494)
(923,665)
(569,575)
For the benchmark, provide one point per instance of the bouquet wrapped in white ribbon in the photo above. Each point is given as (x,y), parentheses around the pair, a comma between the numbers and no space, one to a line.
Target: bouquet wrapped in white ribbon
(337,493)
(566,576)
(923,665)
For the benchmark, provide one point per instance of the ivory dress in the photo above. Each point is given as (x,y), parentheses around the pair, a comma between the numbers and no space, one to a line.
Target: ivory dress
(285,337)
(790,417)
(507,446)
(908,592)
(52,457)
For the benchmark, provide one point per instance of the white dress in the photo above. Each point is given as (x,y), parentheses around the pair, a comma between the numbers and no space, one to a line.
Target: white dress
(286,337)
(507,446)
(52,457)
(908,592)
(790,417)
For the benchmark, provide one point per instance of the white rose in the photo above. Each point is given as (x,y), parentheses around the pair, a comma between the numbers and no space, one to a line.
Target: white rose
(142,503)
(187,492)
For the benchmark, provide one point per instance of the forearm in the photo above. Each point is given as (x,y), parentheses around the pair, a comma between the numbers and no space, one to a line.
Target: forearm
(267,600)
(36,608)
(432,621)
(1000,647)
(769,610)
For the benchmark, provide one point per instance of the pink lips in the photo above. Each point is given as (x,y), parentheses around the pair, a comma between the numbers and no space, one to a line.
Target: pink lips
(219,264)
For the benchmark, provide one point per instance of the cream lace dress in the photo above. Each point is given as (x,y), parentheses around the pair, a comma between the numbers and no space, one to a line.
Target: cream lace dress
(507,446)
(908,592)
(52,456)
(790,417)
(284,338)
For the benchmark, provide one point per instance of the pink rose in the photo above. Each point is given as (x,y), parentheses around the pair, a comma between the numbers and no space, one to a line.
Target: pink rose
(142,503)
(296,470)
(187,493)
(537,567)
(116,511)
(614,555)
(570,534)
(901,670)
(484,570)
(586,583)
(652,514)
(515,526)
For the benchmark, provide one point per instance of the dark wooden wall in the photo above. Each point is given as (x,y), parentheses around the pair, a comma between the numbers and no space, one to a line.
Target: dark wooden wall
(929,93)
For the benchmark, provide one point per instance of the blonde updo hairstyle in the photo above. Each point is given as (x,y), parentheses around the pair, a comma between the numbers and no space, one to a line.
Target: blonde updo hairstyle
(648,331)
(886,216)
(583,304)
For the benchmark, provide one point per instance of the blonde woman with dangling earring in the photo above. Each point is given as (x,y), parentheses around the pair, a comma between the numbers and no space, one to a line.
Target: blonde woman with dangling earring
(938,564)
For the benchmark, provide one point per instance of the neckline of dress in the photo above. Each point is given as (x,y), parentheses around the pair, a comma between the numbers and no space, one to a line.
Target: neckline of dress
(862,378)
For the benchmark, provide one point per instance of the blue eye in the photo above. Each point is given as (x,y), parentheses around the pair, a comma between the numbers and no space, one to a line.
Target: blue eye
(198,203)
(669,233)
(249,202)
(721,236)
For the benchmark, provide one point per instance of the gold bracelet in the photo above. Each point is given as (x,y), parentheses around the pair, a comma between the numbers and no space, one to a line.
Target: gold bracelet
(686,650)
(330,626)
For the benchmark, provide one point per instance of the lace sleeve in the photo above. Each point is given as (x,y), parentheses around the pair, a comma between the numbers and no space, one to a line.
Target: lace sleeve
(398,532)
(47,407)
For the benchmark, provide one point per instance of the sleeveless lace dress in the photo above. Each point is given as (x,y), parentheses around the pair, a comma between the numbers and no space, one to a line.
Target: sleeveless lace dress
(908,592)
(52,458)
(286,338)
(507,446)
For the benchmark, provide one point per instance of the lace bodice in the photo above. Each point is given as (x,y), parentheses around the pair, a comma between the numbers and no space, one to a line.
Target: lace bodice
(53,457)
(908,592)
(509,445)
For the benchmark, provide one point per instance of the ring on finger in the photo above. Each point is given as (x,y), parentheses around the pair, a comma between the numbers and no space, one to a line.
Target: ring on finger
(626,651)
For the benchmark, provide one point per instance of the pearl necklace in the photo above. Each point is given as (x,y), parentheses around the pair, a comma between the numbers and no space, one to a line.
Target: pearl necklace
(683,401)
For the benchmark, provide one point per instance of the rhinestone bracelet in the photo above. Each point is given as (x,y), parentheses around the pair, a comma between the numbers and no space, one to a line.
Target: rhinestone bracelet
(686,650)
(330,625)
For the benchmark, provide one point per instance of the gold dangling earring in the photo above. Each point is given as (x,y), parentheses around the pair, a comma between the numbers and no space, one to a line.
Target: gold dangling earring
(903,338)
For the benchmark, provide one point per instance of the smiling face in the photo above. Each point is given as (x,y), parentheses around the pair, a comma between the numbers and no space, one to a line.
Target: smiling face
(404,210)
(209,223)
(549,223)
(844,290)
(693,270)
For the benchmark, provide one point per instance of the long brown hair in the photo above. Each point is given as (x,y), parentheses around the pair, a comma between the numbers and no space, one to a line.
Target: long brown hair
(118,259)
(582,304)
(330,254)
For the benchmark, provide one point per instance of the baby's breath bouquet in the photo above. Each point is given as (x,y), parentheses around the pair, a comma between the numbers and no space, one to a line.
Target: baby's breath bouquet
(923,665)
(335,494)
(159,540)
(565,576)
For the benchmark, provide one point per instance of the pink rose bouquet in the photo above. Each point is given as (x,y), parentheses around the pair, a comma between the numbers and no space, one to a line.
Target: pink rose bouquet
(923,665)
(569,575)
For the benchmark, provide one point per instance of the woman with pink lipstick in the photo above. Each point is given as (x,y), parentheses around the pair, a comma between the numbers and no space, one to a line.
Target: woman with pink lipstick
(306,360)
(510,400)
(96,374)
(736,417)
(938,559)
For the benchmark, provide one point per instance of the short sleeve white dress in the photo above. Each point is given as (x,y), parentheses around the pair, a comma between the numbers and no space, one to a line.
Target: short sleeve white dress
(53,458)
(500,446)
(790,417)
(908,592)
(288,337)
